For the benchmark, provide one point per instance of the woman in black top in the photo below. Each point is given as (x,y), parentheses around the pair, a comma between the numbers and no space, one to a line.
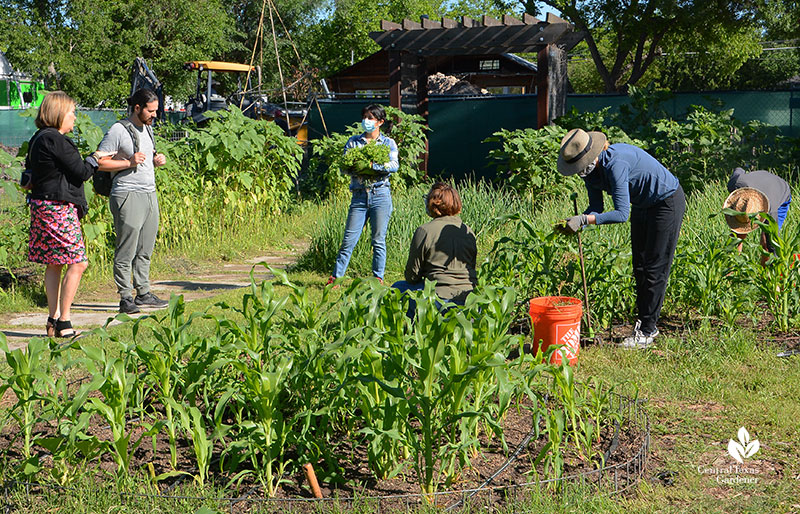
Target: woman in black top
(57,202)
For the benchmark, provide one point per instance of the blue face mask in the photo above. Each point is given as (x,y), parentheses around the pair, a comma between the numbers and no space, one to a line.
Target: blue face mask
(368,125)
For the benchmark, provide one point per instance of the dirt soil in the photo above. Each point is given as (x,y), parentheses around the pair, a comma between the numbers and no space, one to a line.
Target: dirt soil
(352,460)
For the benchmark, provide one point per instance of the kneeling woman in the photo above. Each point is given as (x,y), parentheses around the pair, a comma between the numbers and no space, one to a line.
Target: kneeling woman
(443,250)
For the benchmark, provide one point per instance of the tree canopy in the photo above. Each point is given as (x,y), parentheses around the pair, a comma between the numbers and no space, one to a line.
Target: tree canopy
(86,47)
(625,38)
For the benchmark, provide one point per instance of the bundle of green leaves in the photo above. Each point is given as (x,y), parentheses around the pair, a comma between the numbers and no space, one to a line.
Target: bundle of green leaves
(359,160)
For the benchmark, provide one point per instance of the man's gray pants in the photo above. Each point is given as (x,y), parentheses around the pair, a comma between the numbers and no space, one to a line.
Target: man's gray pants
(136,226)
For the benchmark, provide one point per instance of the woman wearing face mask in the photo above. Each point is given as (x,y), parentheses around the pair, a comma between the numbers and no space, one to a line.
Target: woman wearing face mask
(372,199)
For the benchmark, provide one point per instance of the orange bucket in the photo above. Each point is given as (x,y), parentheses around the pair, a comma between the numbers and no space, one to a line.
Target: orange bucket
(557,320)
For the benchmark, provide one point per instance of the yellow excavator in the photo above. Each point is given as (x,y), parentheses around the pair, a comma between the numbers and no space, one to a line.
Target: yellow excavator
(292,117)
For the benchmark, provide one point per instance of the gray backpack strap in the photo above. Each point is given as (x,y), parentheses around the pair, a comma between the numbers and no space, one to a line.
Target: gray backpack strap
(149,129)
(132,132)
(135,134)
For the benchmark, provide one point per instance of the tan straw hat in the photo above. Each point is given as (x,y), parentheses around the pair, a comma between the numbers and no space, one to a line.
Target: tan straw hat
(746,200)
(578,150)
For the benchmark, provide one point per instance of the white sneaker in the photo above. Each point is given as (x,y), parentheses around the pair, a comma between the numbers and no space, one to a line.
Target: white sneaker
(639,340)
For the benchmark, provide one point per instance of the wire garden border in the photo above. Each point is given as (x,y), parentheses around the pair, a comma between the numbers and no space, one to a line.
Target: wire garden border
(611,480)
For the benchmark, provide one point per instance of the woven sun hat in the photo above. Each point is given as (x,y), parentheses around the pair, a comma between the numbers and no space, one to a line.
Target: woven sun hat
(746,200)
(578,150)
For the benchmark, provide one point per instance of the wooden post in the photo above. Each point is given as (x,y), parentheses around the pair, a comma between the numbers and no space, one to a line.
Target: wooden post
(312,480)
(422,102)
(551,83)
(422,87)
(395,82)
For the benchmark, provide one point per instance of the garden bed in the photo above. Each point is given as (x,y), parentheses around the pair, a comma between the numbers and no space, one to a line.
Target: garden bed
(493,478)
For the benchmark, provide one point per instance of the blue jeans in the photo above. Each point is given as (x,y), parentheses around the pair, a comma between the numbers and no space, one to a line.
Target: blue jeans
(403,286)
(374,205)
(782,210)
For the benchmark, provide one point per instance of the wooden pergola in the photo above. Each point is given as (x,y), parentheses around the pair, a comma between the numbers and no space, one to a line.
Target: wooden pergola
(410,44)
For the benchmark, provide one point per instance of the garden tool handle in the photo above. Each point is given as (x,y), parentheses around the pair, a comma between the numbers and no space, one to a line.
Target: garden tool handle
(583,269)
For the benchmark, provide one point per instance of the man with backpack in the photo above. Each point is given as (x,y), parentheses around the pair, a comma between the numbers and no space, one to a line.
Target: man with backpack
(127,153)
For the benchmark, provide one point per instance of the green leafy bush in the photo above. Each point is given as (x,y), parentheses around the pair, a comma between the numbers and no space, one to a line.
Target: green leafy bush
(526,160)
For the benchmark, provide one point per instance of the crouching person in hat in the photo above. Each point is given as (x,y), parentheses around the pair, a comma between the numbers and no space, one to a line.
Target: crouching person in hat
(757,191)
(643,188)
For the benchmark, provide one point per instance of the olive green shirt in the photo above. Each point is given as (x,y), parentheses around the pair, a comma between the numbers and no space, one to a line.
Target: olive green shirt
(444,250)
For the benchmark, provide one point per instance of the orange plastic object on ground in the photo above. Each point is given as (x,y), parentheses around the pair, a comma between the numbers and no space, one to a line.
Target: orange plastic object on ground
(557,320)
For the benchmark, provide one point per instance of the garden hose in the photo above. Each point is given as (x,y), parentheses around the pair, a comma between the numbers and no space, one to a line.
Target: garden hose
(522,445)
(606,455)
(614,443)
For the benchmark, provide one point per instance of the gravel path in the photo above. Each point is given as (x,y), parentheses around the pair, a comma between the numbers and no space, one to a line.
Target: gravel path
(22,327)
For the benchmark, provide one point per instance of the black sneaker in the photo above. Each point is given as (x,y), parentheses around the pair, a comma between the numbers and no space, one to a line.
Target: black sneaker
(127,305)
(150,300)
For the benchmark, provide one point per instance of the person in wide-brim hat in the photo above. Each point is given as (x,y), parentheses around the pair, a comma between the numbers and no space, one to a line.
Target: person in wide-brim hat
(579,149)
(644,190)
(746,201)
(756,192)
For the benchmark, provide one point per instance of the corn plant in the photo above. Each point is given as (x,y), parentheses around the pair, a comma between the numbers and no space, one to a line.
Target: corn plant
(704,279)
(260,309)
(431,375)
(551,453)
(71,447)
(568,396)
(485,339)
(609,279)
(258,394)
(193,424)
(164,360)
(116,383)
(28,376)
(263,433)
(533,263)
(372,326)
(597,407)
(317,406)
(779,276)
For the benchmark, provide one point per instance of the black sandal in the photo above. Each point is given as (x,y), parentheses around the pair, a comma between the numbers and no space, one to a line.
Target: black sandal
(64,329)
(50,328)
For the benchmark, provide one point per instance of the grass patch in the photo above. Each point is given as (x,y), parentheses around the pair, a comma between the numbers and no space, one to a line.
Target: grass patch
(704,380)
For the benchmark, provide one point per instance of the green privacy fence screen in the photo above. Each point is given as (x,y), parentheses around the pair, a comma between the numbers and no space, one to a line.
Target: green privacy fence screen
(778,108)
(16,128)
(458,125)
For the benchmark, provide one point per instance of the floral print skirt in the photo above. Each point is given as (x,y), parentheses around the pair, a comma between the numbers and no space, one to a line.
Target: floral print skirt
(55,236)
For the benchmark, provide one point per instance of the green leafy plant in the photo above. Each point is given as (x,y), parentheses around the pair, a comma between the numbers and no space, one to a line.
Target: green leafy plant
(360,159)
(526,160)
(116,383)
(778,278)
(28,377)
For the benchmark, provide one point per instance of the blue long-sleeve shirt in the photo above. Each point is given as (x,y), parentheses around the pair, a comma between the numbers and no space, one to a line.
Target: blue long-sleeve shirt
(361,182)
(632,177)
